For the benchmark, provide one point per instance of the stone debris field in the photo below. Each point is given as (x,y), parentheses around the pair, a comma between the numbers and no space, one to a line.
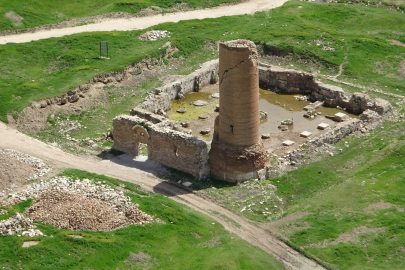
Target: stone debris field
(154,35)
(18,223)
(17,168)
(73,205)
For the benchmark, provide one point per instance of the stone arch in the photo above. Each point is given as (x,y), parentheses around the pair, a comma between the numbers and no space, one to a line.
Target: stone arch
(141,135)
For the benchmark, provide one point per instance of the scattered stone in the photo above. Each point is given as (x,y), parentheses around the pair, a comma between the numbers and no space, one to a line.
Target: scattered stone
(154,35)
(313,106)
(323,126)
(187,184)
(182,110)
(202,116)
(217,108)
(305,134)
(18,223)
(185,124)
(3,212)
(263,115)
(288,143)
(216,95)
(340,117)
(311,113)
(266,136)
(287,122)
(29,243)
(205,131)
(283,127)
(301,98)
(200,103)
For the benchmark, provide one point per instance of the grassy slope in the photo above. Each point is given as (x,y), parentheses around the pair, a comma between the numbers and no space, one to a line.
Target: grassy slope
(358,33)
(39,12)
(337,192)
(173,245)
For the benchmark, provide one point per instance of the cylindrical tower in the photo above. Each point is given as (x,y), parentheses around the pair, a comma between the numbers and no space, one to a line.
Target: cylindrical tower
(237,152)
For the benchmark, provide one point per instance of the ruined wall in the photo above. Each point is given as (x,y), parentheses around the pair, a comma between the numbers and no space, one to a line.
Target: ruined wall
(169,147)
(162,97)
(179,151)
(296,82)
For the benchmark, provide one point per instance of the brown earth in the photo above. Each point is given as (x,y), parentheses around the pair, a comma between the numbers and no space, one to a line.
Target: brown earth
(13,172)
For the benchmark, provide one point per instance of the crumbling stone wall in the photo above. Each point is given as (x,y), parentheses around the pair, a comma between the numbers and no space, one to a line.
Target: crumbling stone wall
(179,151)
(296,82)
(169,147)
(160,101)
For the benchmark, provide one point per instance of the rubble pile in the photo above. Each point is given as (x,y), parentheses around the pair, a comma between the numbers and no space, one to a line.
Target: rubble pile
(114,199)
(154,35)
(79,205)
(70,211)
(18,223)
(39,166)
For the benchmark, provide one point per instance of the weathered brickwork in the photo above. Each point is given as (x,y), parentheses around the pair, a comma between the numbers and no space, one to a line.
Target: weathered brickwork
(169,147)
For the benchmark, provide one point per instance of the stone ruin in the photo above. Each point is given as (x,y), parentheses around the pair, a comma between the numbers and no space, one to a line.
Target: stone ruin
(237,152)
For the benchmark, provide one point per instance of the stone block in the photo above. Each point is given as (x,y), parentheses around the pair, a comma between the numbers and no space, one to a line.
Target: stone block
(288,143)
(323,126)
(305,134)
(340,117)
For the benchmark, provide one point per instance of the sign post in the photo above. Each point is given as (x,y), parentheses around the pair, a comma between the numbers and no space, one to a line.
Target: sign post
(103,47)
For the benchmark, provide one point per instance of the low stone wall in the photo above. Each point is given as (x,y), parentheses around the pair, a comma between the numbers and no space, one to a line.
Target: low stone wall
(160,101)
(169,147)
(295,82)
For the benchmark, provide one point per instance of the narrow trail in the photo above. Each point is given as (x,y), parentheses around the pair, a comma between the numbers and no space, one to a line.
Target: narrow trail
(249,7)
(260,237)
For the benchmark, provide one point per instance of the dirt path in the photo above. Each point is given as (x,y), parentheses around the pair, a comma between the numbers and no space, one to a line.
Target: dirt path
(248,7)
(13,139)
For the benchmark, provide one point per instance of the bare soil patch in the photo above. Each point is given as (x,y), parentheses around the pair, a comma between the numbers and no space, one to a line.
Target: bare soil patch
(352,237)
(382,205)
(13,173)
(141,260)
(29,243)
(396,42)
(15,17)
(287,225)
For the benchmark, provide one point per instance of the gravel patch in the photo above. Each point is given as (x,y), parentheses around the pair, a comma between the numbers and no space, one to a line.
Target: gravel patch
(16,168)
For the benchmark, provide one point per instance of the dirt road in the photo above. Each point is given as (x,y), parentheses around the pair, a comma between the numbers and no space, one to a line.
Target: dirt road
(13,139)
(248,7)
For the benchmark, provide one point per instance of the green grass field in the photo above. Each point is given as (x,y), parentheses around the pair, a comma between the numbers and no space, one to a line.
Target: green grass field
(187,240)
(348,210)
(37,13)
(359,34)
